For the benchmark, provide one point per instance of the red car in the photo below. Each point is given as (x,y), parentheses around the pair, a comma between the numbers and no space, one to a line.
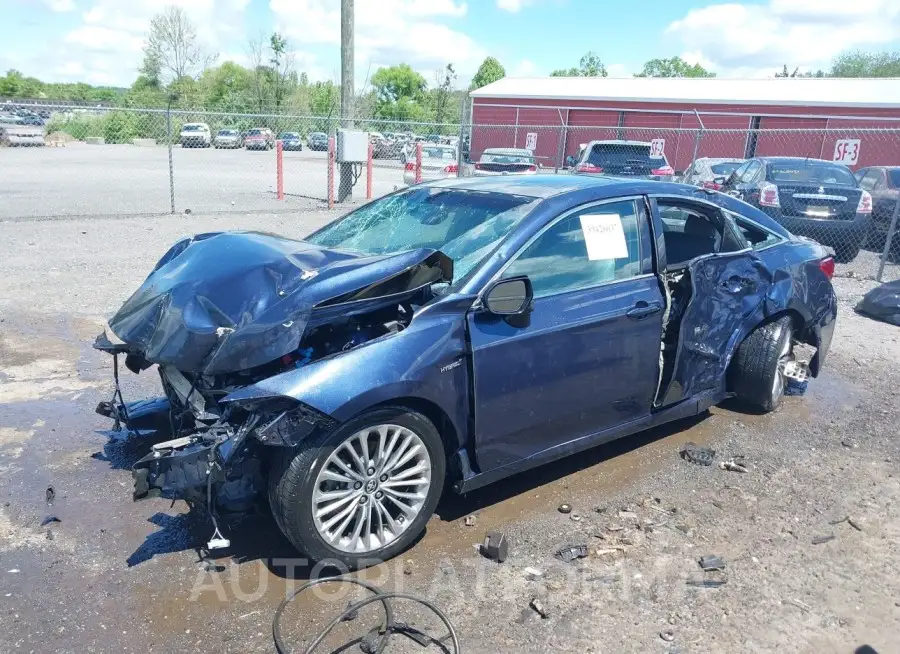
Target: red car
(259,138)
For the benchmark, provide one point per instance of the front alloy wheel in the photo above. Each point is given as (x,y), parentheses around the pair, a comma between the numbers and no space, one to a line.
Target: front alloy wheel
(362,492)
(371,488)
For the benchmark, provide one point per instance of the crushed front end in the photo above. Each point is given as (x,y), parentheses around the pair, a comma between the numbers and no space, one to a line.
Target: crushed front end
(223,312)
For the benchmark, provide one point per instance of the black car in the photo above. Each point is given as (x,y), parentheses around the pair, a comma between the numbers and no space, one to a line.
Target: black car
(883,182)
(810,197)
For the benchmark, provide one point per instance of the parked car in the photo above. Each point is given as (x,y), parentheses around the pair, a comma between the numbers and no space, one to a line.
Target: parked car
(317,141)
(704,171)
(883,182)
(438,162)
(810,197)
(459,331)
(195,135)
(15,135)
(228,138)
(622,159)
(259,138)
(505,161)
(291,141)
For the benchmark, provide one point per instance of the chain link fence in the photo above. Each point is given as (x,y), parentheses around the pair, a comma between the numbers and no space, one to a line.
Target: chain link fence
(836,185)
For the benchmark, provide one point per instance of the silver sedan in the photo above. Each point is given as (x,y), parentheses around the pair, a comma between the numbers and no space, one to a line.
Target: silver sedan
(438,162)
(505,161)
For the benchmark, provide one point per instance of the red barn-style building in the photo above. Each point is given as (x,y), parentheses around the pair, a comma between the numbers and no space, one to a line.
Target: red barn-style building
(718,117)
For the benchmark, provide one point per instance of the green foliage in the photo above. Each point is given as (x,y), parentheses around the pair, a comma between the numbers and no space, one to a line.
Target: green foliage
(866,64)
(489,72)
(673,67)
(797,73)
(588,66)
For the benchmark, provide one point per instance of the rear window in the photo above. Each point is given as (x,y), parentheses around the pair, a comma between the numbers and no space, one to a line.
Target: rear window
(317,135)
(616,153)
(191,128)
(810,172)
(438,153)
(895,176)
(488,157)
(290,135)
(227,132)
(725,169)
(254,132)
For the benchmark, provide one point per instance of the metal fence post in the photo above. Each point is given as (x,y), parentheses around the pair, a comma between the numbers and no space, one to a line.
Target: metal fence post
(698,137)
(369,157)
(171,168)
(331,154)
(892,230)
(419,162)
(279,169)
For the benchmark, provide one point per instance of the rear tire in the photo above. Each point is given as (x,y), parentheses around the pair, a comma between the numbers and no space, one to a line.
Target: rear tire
(757,369)
(846,253)
(295,481)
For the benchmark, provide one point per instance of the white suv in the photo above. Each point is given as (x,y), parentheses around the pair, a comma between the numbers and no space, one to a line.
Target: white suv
(195,135)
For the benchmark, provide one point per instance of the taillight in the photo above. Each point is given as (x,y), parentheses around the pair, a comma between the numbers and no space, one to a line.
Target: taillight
(478,166)
(664,171)
(826,265)
(452,168)
(588,168)
(768,195)
(410,166)
(865,203)
(532,169)
(712,185)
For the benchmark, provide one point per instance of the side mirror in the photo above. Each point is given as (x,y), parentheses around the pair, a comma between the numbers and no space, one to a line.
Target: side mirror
(509,297)
(571,161)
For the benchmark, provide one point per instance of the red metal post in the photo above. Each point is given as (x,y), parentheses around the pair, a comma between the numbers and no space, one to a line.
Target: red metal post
(369,171)
(331,156)
(419,162)
(279,166)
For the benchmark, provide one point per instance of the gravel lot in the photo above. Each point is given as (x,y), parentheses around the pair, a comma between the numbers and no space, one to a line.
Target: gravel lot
(96,180)
(119,576)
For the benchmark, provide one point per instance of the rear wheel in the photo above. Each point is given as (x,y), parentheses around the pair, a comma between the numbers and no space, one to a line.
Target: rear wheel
(846,253)
(757,371)
(363,492)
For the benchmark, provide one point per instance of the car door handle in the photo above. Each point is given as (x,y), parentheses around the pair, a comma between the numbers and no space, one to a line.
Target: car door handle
(643,309)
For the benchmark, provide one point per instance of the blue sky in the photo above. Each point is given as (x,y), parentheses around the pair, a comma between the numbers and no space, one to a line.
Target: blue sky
(100,41)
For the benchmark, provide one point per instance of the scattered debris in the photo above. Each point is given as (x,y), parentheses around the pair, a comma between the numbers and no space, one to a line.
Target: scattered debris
(603,551)
(707,583)
(211,566)
(625,514)
(495,546)
(850,443)
(575,517)
(351,613)
(800,605)
(471,520)
(408,567)
(708,563)
(882,303)
(572,552)
(615,528)
(187,211)
(667,636)
(795,387)
(818,540)
(693,453)
(50,518)
(854,523)
(539,608)
(599,509)
(533,574)
(718,505)
(50,495)
(732,466)
(565,508)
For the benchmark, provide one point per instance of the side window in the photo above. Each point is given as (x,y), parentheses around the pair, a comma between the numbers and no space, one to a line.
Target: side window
(689,173)
(872,180)
(590,246)
(689,231)
(756,236)
(737,174)
(751,172)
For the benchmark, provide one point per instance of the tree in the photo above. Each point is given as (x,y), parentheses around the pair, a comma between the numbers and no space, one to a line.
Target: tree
(797,73)
(445,80)
(674,67)
(866,64)
(282,68)
(588,66)
(172,52)
(398,89)
(489,72)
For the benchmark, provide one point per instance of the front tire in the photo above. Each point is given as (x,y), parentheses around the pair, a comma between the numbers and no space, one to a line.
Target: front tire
(757,371)
(363,492)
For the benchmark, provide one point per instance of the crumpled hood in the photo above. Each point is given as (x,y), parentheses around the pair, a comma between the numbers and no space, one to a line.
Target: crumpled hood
(228,301)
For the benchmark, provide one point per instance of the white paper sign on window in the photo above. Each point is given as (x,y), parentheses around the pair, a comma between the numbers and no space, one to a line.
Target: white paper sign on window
(604,236)
(846,151)
(531,141)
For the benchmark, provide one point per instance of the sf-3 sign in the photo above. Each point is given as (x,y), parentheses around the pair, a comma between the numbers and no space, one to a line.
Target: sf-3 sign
(846,151)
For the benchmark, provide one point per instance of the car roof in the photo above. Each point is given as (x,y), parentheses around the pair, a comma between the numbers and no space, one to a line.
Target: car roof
(721,159)
(536,186)
(797,160)
(518,151)
(618,142)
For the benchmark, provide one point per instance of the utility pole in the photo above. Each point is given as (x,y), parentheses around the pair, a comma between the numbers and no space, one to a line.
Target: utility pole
(345,187)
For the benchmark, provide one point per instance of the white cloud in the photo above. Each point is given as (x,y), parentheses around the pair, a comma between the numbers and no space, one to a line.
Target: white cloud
(757,40)
(512,6)
(524,68)
(618,70)
(387,32)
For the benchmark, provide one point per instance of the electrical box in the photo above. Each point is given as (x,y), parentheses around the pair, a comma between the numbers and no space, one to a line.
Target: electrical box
(352,146)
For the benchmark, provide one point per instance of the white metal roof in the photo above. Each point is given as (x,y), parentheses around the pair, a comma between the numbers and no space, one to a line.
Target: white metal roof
(791,91)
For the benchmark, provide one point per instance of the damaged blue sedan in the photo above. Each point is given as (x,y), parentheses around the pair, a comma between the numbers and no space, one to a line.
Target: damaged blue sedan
(459,331)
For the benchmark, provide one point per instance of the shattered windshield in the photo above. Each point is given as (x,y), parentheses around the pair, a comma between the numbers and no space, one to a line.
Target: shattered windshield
(465,225)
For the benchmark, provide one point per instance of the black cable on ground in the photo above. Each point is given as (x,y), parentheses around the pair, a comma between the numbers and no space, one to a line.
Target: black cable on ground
(388,627)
